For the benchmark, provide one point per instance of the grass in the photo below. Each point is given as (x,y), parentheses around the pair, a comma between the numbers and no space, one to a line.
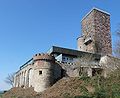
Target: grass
(1,96)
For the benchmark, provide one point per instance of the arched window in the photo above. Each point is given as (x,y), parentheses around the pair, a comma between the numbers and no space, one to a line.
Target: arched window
(30,77)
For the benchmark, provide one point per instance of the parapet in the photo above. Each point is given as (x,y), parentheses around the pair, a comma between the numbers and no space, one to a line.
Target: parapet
(42,56)
(66,63)
(96,9)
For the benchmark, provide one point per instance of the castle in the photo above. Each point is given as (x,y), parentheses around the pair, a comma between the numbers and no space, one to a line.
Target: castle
(93,56)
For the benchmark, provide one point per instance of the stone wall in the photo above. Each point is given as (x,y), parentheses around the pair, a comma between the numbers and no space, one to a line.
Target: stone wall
(43,71)
(40,74)
(88,31)
(80,44)
(96,33)
(79,68)
(23,78)
(102,32)
(109,64)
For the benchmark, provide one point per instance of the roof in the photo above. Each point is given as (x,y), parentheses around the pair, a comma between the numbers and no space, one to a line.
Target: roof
(72,52)
(94,8)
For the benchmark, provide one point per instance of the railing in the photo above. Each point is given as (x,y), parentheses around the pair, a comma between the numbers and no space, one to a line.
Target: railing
(24,65)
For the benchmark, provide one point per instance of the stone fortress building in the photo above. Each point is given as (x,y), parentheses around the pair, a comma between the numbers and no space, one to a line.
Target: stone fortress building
(94,56)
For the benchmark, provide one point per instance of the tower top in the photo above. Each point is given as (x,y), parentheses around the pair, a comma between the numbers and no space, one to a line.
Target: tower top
(41,56)
(97,9)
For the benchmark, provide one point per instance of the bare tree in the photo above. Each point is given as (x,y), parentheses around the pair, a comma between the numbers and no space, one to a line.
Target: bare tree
(117,44)
(10,79)
(117,49)
(85,63)
(87,60)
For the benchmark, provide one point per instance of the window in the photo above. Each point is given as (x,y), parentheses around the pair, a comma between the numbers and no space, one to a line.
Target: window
(40,72)
(64,59)
(67,58)
(70,59)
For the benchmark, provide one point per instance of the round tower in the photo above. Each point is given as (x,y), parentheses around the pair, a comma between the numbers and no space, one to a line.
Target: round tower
(43,71)
(80,43)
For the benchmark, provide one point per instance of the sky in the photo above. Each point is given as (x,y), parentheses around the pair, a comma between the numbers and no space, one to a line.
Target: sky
(28,27)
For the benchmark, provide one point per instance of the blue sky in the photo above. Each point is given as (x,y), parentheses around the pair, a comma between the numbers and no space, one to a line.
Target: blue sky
(31,26)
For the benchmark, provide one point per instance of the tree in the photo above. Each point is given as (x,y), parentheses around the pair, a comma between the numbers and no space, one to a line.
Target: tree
(117,44)
(10,79)
(85,64)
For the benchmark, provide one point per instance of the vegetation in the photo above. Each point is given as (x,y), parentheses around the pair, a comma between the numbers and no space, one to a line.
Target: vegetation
(0,95)
(104,88)
(83,87)
(10,79)
(117,45)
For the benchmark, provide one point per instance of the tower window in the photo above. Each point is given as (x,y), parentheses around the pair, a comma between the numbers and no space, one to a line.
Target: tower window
(40,72)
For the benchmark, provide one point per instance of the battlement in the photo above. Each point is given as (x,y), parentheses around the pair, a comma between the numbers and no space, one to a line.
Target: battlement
(42,56)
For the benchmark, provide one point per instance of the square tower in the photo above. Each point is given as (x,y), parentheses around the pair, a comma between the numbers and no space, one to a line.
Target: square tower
(96,36)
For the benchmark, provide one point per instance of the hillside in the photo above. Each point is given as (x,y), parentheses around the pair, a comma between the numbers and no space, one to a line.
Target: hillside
(19,93)
(63,88)
(95,87)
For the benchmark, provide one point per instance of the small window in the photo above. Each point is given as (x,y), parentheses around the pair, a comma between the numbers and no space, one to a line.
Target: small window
(40,72)
(63,58)
(71,58)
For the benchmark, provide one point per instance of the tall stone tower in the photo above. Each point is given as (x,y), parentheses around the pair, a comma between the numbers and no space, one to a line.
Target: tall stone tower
(96,36)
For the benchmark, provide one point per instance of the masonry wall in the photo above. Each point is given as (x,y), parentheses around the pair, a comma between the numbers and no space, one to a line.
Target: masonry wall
(102,33)
(80,44)
(42,73)
(109,64)
(96,30)
(88,31)
(23,78)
